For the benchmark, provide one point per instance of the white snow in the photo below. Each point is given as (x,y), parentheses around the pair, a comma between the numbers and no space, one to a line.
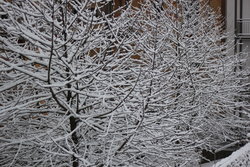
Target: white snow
(210,164)
(238,158)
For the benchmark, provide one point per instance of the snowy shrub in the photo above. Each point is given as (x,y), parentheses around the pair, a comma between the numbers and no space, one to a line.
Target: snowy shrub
(81,86)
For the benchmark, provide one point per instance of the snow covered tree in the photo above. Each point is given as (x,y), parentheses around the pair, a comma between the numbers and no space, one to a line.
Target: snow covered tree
(64,76)
(82,87)
(189,89)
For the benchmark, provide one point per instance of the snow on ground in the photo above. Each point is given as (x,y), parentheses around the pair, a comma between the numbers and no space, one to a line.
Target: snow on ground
(239,158)
(210,164)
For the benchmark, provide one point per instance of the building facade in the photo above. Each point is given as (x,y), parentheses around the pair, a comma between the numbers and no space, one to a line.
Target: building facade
(238,26)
